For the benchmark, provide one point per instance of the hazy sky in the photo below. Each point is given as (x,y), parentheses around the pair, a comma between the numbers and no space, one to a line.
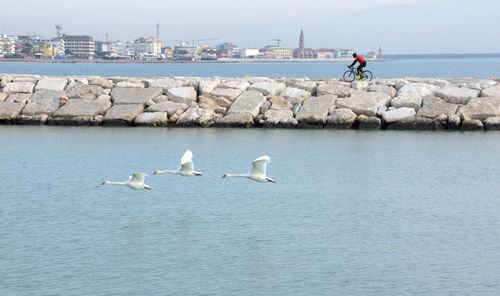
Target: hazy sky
(400,26)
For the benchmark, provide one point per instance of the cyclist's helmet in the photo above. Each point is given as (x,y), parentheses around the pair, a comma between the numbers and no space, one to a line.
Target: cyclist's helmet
(354,55)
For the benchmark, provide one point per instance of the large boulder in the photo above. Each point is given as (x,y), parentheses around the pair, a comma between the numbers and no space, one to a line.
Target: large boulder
(151,119)
(279,118)
(368,122)
(493,91)
(164,84)
(482,108)
(295,95)
(399,114)
(417,123)
(280,103)
(9,111)
(248,102)
(457,95)
(102,82)
(83,91)
(315,109)
(170,107)
(336,89)
(236,120)
(492,123)
(341,119)
(434,106)
(207,86)
(407,101)
(132,95)
(197,117)
(122,114)
(32,119)
(19,87)
(18,98)
(184,95)
(213,102)
(309,86)
(417,89)
(267,88)
(52,84)
(79,107)
(361,102)
(241,85)
(382,88)
(43,102)
(129,84)
(230,93)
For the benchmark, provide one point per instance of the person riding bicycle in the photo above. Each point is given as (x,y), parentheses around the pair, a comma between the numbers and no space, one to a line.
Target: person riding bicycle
(362,63)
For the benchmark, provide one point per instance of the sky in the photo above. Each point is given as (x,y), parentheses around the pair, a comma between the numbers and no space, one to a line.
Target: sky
(398,26)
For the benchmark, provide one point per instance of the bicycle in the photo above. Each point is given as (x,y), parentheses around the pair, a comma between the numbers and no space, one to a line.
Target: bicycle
(350,75)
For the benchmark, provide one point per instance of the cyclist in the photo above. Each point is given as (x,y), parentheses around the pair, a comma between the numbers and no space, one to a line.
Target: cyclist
(362,63)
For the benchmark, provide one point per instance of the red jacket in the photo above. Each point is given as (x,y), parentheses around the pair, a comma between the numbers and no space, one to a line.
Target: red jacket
(360,59)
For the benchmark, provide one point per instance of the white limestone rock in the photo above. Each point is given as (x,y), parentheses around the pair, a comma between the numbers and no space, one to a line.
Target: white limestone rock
(399,114)
(241,85)
(83,91)
(417,89)
(492,123)
(207,86)
(127,84)
(280,103)
(309,86)
(9,111)
(171,108)
(122,114)
(267,88)
(341,119)
(314,110)
(43,102)
(336,89)
(19,87)
(18,98)
(236,120)
(361,102)
(126,95)
(25,79)
(151,119)
(82,107)
(248,102)
(493,91)
(230,93)
(213,102)
(359,85)
(382,88)
(482,108)
(457,95)
(295,95)
(164,84)
(434,106)
(279,118)
(197,117)
(184,95)
(414,102)
(52,84)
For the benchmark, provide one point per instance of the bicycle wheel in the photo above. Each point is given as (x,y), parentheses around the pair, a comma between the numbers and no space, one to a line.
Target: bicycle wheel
(349,76)
(368,76)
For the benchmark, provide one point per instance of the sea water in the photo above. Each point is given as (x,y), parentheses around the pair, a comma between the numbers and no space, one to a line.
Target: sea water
(352,213)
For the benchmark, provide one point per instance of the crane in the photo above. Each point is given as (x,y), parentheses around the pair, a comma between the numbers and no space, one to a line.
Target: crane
(277,42)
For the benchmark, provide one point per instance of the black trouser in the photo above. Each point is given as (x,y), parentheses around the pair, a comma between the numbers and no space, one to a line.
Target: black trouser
(360,67)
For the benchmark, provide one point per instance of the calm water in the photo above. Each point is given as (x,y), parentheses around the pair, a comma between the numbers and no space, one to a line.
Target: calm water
(352,213)
(450,67)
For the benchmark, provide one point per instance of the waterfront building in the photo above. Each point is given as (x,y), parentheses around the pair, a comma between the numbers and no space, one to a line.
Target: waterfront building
(344,53)
(79,45)
(302,52)
(185,51)
(371,55)
(281,53)
(102,48)
(7,45)
(227,50)
(326,53)
(249,52)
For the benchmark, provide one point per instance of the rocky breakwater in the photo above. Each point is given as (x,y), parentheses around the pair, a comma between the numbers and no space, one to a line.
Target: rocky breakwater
(406,104)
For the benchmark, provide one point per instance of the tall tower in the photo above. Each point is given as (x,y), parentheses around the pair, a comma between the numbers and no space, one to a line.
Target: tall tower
(157,30)
(301,40)
(59,29)
(380,51)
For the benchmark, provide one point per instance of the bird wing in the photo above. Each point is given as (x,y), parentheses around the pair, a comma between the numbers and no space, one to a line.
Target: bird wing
(137,178)
(187,161)
(259,165)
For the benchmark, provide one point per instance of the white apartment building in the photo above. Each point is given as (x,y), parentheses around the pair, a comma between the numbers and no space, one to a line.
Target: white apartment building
(249,52)
(80,46)
(7,44)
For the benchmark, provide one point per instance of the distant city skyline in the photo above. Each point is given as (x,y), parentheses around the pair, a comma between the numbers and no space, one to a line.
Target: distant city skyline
(400,26)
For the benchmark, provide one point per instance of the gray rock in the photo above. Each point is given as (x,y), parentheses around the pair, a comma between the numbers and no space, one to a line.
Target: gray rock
(315,109)
(241,85)
(236,120)
(417,90)
(247,102)
(213,102)
(309,86)
(453,122)
(83,108)
(361,102)
(336,89)
(280,103)
(19,87)
(160,99)
(127,84)
(482,108)
(267,88)
(399,114)
(164,84)
(170,107)
(9,111)
(381,88)
(415,123)
(265,106)
(197,117)
(472,125)
(74,121)
(359,85)
(368,122)
(341,119)
(456,95)
(122,114)
(279,118)
(84,92)
(182,94)
(230,93)
(102,82)
(207,86)
(295,95)
(151,119)
(18,98)
(434,106)
(32,120)
(43,102)
(52,84)
(493,91)
(25,79)
(124,95)
(492,123)
(407,101)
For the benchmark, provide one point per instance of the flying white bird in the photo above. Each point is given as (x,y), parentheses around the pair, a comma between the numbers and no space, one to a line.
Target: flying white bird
(136,181)
(258,171)
(186,168)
